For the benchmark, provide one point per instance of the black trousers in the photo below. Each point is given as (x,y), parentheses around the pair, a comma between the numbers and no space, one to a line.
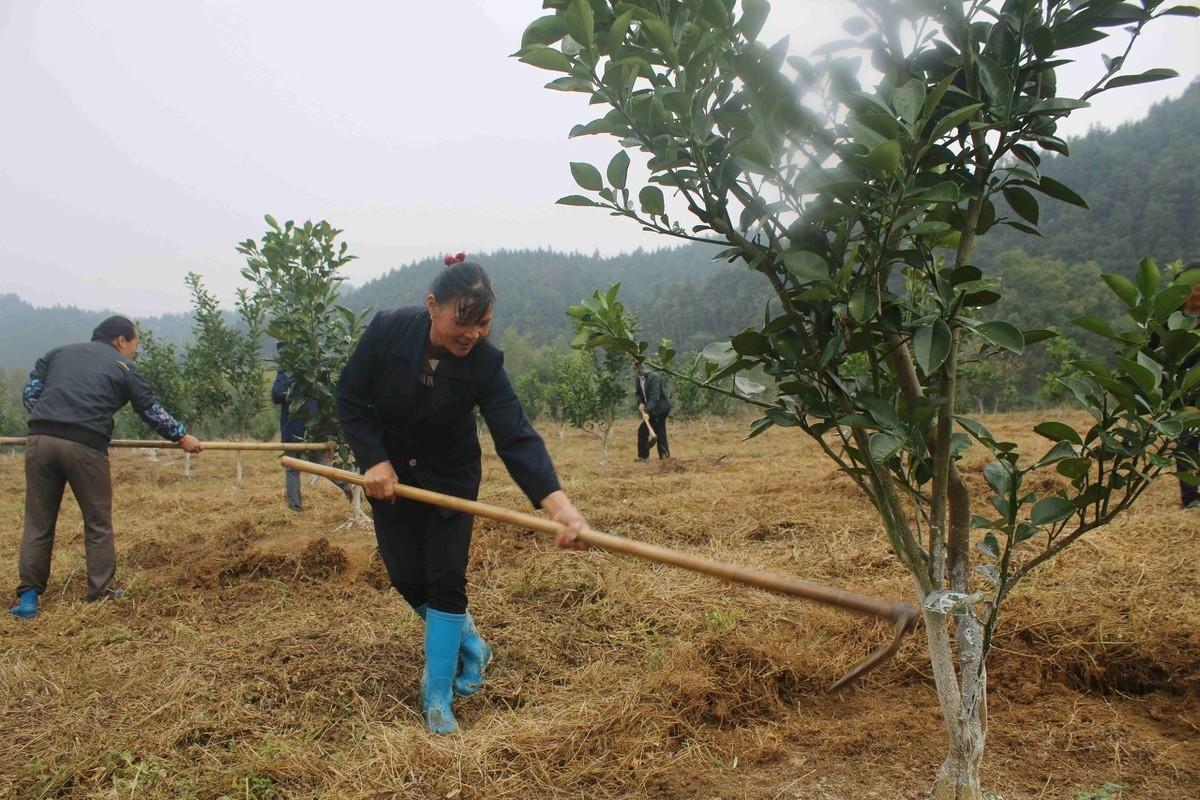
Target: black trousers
(1188,494)
(425,551)
(660,430)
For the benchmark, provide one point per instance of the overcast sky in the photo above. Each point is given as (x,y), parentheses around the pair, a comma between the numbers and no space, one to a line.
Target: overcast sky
(142,139)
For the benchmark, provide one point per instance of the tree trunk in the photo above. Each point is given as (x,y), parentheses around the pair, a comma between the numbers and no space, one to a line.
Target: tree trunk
(963,709)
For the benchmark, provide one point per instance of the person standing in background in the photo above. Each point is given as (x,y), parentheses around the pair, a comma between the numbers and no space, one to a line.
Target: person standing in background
(654,406)
(293,429)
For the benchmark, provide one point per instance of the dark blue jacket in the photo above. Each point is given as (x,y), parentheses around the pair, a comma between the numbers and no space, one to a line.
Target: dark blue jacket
(436,446)
(291,429)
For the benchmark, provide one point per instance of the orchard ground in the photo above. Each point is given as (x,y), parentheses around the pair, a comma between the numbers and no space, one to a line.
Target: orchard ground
(261,654)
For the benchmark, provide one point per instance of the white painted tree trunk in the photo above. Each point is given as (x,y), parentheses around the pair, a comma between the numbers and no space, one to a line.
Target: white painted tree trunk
(187,465)
(238,459)
(963,702)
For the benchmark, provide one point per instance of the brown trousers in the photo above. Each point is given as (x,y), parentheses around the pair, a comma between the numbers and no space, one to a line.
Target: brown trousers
(50,464)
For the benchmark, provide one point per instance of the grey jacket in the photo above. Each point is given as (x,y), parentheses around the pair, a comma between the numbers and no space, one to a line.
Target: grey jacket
(74,391)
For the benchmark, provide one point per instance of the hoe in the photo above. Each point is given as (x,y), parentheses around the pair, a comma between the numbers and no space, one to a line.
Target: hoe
(902,616)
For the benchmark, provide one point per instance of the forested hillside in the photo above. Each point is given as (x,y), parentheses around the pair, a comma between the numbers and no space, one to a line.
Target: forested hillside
(1142,183)
(677,293)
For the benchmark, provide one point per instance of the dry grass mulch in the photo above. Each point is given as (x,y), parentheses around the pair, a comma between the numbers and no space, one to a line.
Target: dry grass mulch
(261,654)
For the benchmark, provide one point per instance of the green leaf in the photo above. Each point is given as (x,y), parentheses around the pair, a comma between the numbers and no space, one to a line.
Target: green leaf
(864,303)
(1003,335)
(1022,202)
(659,33)
(546,58)
(883,446)
(1035,335)
(618,169)
(652,200)
(1094,324)
(754,15)
(1053,104)
(544,31)
(1191,378)
(1042,42)
(716,13)
(576,200)
(580,23)
(748,387)
(883,158)
(1148,277)
(587,176)
(976,429)
(1051,509)
(953,120)
(1123,288)
(1074,468)
(944,192)
(568,83)
(1148,76)
(1181,11)
(806,266)
(998,477)
(931,345)
(1059,191)
(1170,300)
(750,343)
(618,31)
(996,83)
(1060,451)
(908,99)
(1058,432)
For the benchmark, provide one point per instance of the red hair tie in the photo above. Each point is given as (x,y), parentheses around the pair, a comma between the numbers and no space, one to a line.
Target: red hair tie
(457,258)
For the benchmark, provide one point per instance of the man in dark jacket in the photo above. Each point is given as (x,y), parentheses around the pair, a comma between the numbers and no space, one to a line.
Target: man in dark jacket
(293,429)
(654,406)
(72,395)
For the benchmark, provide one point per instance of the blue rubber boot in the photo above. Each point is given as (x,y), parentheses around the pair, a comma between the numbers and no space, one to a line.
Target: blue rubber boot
(443,636)
(474,655)
(27,604)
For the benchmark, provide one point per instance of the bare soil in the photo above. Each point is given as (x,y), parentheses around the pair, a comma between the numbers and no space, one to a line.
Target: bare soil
(261,654)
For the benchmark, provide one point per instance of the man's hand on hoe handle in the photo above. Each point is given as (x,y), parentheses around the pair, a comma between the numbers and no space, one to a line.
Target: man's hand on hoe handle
(191,444)
(379,482)
(563,511)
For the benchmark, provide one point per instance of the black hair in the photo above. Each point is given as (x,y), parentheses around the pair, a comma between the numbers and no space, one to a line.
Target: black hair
(469,287)
(113,328)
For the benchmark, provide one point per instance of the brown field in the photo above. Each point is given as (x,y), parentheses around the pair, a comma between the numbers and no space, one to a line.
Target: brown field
(260,653)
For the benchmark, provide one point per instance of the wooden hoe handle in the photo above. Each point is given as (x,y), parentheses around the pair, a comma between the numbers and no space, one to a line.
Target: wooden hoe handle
(902,615)
(163,444)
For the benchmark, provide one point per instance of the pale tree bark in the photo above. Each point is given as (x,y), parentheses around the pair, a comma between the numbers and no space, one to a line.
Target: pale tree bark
(963,711)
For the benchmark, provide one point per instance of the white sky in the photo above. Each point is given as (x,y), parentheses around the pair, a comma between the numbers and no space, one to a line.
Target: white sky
(142,139)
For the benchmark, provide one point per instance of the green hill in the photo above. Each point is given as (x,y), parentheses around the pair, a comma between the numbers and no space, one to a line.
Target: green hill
(1142,183)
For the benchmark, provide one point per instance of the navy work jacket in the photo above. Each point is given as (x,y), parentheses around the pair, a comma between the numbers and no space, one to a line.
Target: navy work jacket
(433,442)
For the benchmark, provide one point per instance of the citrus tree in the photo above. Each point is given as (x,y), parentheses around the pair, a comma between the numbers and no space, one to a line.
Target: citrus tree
(223,367)
(860,206)
(294,274)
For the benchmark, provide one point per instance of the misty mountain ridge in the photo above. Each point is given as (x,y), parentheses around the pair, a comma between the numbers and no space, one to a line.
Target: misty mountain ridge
(1141,181)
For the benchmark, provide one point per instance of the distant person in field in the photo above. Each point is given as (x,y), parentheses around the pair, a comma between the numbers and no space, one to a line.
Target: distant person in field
(293,429)
(654,406)
(72,395)
(1189,495)
(406,403)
